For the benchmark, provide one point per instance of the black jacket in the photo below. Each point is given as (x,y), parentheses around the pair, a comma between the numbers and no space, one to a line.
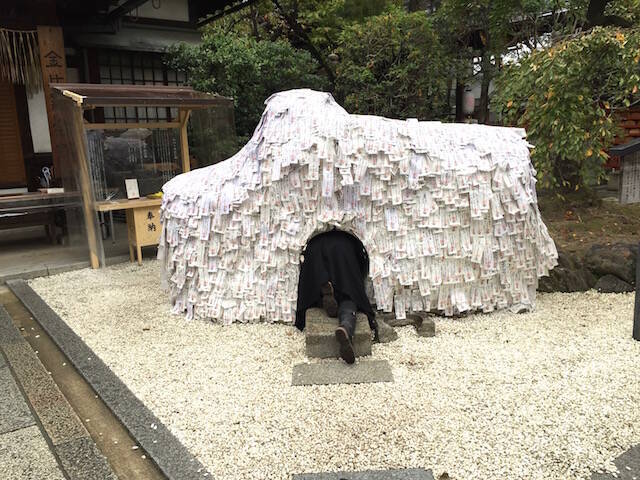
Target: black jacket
(338,257)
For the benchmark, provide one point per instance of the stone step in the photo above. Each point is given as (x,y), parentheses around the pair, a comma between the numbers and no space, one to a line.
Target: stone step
(332,372)
(320,338)
(408,474)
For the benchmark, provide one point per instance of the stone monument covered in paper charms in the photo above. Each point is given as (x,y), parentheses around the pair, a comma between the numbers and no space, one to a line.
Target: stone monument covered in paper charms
(447,213)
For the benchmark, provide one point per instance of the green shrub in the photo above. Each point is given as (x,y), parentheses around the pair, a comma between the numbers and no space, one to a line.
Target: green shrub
(566,97)
(395,66)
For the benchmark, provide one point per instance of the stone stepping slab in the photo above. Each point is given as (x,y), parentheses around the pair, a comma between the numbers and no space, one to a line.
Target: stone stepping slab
(628,465)
(338,372)
(320,337)
(408,474)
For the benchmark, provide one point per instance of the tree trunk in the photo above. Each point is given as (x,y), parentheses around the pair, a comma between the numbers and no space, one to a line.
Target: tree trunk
(253,11)
(596,16)
(487,75)
(459,100)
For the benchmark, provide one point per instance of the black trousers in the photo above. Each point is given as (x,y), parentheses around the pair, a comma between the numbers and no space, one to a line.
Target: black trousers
(347,310)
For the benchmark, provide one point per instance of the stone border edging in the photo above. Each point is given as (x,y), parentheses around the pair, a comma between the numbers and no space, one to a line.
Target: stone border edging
(68,439)
(173,458)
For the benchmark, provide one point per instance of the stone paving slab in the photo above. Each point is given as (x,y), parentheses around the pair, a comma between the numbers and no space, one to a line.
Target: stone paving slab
(408,474)
(175,461)
(82,460)
(8,332)
(335,372)
(54,412)
(27,368)
(25,455)
(14,411)
(59,420)
(628,464)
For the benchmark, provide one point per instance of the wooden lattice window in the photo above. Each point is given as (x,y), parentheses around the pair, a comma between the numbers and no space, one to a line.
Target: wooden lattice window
(137,68)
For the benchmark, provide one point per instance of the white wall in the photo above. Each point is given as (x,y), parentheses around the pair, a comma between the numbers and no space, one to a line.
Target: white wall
(38,119)
(177,10)
(39,123)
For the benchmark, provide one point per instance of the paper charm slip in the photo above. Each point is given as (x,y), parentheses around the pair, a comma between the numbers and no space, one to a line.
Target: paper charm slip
(447,212)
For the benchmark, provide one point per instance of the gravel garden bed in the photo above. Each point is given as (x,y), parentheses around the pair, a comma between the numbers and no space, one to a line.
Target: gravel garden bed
(553,394)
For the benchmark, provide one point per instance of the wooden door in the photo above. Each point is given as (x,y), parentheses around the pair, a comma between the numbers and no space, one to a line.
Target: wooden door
(12,171)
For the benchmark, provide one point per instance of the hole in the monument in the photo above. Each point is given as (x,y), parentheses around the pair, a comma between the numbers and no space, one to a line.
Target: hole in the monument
(368,283)
(320,232)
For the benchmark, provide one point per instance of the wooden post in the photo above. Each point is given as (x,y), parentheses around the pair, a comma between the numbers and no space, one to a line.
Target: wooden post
(82,166)
(183,116)
(54,70)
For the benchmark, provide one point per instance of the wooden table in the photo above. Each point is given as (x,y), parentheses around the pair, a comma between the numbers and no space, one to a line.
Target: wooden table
(143,221)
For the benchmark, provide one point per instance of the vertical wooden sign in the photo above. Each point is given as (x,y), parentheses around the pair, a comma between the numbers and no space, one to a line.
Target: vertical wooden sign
(54,70)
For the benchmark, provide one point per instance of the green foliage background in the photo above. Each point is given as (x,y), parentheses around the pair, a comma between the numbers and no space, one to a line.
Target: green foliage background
(247,69)
(553,69)
(394,65)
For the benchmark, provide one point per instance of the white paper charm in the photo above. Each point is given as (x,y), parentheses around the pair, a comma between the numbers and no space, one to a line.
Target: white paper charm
(447,213)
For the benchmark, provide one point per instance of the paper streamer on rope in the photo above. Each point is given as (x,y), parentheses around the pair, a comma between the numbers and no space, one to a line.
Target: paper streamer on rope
(447,212)
(19,58)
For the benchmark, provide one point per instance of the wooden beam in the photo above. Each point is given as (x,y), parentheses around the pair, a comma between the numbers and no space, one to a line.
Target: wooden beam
(183,116)
(125,126)
(74,96)
(54,70)
(82,165)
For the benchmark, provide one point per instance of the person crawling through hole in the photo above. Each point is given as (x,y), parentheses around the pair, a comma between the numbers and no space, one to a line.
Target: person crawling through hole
(332,273)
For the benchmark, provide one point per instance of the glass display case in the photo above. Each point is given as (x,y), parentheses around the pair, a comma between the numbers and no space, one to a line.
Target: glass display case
(99,162)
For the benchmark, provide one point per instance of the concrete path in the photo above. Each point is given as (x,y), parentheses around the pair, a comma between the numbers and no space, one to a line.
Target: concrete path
(26,253)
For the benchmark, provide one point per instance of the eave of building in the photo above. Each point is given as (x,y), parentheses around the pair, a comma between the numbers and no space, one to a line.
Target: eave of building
(105,12)
(129,36)
(103,15)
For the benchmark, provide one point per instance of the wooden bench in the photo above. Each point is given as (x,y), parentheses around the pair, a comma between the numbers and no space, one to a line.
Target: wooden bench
(35,209)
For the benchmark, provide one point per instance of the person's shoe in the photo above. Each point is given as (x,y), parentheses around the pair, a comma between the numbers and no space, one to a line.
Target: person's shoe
(329,303)
(346,347)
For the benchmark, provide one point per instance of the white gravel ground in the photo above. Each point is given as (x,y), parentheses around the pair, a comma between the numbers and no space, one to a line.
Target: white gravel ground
(553,394)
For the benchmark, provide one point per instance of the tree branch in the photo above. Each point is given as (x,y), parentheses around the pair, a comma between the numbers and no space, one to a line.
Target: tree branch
(295,26)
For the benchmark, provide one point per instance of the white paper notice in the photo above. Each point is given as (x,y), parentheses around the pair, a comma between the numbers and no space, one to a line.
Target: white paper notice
(131,185)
